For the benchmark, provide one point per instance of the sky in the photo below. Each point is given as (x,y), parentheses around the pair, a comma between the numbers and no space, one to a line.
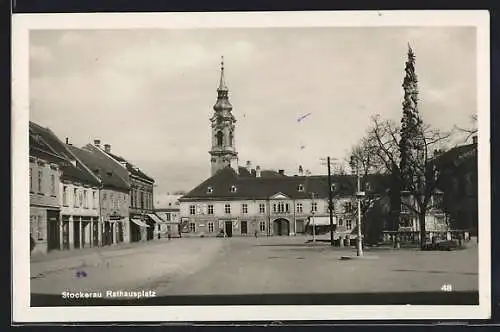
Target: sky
(150,93)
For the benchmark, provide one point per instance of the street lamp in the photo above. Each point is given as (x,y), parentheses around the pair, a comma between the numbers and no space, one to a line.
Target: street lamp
(312,217)
(359,195)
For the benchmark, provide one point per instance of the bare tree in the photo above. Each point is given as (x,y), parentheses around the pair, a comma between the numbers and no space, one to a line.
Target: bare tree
(378,153)
(471,131)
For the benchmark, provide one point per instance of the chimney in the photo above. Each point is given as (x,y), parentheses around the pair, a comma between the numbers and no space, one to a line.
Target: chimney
(281,172)
(249,166)
(67,141)
(474,139)
(257,171)
(107,148)
(97,143)
(301,170)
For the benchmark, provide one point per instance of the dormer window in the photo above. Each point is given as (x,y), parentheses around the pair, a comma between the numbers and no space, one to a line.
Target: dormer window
(233,188)
(210,190)
(300,188)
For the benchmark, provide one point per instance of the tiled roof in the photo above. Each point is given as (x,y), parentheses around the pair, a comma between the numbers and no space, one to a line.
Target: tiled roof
(264,187)
(454,154)
(70,171)
(131,168)
(102,167)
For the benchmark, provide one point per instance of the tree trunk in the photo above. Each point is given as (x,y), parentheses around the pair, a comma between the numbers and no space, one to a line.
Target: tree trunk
(423,239)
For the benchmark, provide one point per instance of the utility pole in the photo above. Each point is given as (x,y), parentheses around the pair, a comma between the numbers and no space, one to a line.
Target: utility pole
(330,201)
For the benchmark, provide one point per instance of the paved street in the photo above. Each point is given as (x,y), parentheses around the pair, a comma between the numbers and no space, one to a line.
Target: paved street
(201,266)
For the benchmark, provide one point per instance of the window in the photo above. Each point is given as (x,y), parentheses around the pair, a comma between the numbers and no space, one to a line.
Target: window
(300,187)
(94,200)
(210,209)
(40,176)
(80,198)
(348,223)
(281,207)
(52,184)
(75,197)
(233,189)
(210,190)
(299,207)
(244,208)
(227,208)
(368,186)
(347,207)
(192,210)
(31,179)
(192,227)
(231,138)
(65,195)
(141,195)
(219,137)
(314,207)
(262,226)
(211,227)
(85,203)
(341,222)
(262,208)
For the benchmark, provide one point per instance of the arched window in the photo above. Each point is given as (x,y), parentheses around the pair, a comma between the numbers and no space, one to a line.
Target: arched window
(230,138)
(219,136)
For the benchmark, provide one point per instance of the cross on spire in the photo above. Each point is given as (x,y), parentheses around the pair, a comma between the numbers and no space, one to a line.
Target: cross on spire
(222,83)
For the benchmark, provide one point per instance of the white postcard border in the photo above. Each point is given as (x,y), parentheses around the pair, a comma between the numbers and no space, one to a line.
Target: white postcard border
(22,23)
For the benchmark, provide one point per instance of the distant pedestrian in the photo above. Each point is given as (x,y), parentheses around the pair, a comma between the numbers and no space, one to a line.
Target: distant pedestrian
(255,234)
(169,235)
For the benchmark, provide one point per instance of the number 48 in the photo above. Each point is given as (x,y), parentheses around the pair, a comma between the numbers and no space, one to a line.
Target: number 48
(446,288)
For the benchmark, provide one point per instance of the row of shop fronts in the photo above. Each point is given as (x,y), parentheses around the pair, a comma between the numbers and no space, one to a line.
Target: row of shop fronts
(51,230)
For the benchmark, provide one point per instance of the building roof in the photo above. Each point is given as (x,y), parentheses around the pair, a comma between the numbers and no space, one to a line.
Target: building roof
(102,167)
(453,155)
(130,167)
(72,168)
(295,187)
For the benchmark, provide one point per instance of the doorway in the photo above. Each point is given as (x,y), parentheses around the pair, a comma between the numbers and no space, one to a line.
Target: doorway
(53,238)
(76,233)
(229,228)
(244,228)
(95,234)
(65,231)
(281,227)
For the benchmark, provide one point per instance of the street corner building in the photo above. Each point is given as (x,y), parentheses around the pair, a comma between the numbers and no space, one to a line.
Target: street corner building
(250,201)
(168,210)
(64,205)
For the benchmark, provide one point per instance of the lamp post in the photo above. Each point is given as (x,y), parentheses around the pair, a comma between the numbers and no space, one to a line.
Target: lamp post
(359,195)
(312,217)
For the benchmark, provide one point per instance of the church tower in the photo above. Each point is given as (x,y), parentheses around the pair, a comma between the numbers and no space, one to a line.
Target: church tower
(223,153)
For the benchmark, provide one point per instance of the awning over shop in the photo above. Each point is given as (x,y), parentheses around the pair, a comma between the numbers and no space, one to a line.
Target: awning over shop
(139,222)
(155,218)
(321,221)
